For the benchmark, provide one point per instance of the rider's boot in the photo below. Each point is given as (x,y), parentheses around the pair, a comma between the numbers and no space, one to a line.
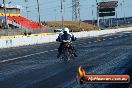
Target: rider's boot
(59,51)
(58,55)
(74,52)
(75,55)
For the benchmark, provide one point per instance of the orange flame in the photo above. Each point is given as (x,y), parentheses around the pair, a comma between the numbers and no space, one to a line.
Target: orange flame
(81,71)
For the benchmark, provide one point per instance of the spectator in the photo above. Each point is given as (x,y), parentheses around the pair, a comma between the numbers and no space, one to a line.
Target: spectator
(29,33)
(25,33)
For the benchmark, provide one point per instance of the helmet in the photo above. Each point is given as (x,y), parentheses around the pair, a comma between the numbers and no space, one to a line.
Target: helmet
(66,30)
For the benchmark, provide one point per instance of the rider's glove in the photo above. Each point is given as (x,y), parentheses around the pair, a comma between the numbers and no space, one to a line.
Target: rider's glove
(75,38)
(57,39)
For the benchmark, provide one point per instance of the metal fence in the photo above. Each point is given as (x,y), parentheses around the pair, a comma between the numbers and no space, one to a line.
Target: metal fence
(22,31)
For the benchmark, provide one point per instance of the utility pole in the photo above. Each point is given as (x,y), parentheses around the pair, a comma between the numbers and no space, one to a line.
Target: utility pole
(124,11)
(55,14)
(39,14)
(62,13)
(117,18)
(93,14)
(27,10)
(4,3)
(97,14)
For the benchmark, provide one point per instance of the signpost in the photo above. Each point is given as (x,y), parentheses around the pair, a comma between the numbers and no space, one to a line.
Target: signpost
(105,9)
(108,4)
(107,14)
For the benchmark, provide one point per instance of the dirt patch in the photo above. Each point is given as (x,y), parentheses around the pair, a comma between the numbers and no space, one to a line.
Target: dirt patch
(72,25)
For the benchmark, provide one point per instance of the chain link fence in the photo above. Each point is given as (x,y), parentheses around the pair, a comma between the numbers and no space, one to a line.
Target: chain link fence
(22,31)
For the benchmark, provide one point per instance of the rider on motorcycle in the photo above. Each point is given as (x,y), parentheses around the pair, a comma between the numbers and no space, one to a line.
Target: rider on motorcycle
(65,36)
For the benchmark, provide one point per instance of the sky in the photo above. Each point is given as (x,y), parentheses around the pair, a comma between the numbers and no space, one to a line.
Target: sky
(50,9)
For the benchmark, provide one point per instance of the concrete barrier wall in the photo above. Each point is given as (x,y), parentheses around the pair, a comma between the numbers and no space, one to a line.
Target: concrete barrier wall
(31,40)
(101,32)
(26,40)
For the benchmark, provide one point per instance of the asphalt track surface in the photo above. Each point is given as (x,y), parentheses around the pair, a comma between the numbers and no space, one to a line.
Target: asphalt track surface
(36,66)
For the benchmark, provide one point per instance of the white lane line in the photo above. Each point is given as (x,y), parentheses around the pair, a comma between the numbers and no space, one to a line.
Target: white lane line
(95,41)
(115,37)
(3,61)
(120,36)
(104,39)
(126,35)
(130,34)
(53,50)
(89,42)
(104,36)
(84,43)
(110,38)
(79,44)
(3,55)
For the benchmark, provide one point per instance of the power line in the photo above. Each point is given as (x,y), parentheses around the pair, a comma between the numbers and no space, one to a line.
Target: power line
(75,10)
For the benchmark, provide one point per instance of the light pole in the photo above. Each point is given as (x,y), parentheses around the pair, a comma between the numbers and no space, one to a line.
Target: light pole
(39,14)
(27,10)
(5,23)
(97,14)
(55,14)
(124,11)
(117,24)
(62,14)
(93,14)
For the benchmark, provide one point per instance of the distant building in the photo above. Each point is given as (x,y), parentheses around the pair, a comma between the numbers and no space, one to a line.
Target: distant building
(11,10)
(111,21)
(15,19)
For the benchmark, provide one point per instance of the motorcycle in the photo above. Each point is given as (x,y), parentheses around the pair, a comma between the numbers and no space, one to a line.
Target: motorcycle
(67,51)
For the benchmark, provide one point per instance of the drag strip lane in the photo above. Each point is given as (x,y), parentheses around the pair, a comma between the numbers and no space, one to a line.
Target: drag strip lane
(36,71)
(30,55)
(91,41)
